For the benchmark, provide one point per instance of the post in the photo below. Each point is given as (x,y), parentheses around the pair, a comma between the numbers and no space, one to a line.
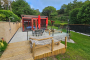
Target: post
(53,32)
(28,23)
(22,24)
(36,23)
(49,32)
(61,31)
(67,29)
(27,35)
(69,33)
(39,22)
(52,46)
(65,42)
(33,49)
(51,27)
(46,22)
(32,23)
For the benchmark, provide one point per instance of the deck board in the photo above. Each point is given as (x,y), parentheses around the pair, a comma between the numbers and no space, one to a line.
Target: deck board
(22,51)
(17,51)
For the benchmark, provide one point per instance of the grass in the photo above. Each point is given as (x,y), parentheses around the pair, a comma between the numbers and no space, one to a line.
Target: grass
(64,30)
(80,50)
(77,51)
(49,27)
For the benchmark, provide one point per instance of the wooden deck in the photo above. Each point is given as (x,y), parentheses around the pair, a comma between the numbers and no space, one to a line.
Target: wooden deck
(22,51)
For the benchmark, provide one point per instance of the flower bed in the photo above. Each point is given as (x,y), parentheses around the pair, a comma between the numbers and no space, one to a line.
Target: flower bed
(3,46)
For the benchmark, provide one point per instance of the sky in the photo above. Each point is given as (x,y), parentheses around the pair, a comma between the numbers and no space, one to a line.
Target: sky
(41,4)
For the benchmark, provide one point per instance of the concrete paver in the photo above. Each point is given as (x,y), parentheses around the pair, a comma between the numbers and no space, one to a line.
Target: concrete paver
(19,36)
(22,36)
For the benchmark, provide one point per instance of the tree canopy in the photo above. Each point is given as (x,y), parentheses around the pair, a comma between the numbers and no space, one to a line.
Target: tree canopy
(73,16)
(48,10)
(20,7)
(77,11)
(84,13)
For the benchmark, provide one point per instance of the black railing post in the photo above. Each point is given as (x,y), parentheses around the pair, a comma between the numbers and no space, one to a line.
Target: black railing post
(67,29)
(27,35)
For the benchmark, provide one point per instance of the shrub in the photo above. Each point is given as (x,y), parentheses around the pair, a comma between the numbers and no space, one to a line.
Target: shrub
(49,22)
(16,18)
(57,24)
(3,45)
(2,17)
(63,23)
(6,14)
(57,21)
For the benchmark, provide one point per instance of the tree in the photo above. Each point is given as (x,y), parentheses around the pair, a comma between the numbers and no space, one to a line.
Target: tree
(84,13)
(48,10)
(20,7)
(63,6)
(5,4)
(72,6)
(36,12)
(73,16)
(61,11)
(54,13)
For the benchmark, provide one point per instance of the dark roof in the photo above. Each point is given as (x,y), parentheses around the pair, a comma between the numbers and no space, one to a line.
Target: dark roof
(33,16)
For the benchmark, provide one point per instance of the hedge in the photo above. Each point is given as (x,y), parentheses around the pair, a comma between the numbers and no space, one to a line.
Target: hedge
(59,24)
(5,14)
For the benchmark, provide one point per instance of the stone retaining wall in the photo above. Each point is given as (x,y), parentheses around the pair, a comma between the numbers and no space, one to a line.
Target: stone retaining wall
(7,30)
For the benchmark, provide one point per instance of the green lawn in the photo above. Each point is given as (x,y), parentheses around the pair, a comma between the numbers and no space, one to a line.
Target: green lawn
(64,30)
(77,51)
(49,27)
(80,50)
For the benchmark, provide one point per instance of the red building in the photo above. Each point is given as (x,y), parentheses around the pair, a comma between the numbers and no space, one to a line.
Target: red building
(34,22)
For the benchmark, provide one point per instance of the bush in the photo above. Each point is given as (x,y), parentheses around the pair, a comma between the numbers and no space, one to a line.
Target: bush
(5,14)
(57,24)
(57,21)
(16,18)
(63,23)
(49,22)
(3,45)
(2,17)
